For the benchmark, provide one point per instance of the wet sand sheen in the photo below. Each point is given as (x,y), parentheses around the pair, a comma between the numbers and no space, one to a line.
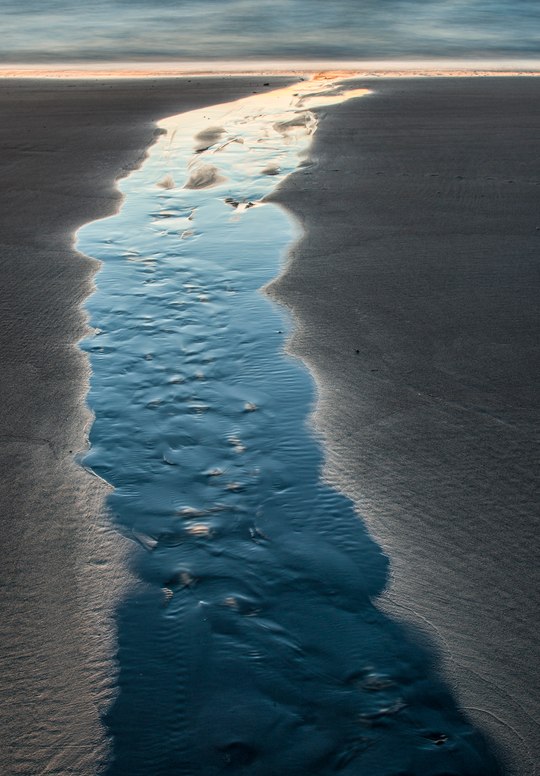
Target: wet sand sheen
(253,622)
(421,216)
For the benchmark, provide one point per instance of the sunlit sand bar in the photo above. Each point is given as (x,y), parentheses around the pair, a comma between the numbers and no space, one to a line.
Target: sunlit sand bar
(364,69)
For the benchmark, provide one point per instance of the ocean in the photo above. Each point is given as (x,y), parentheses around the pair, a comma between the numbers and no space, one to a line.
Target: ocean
(62,30)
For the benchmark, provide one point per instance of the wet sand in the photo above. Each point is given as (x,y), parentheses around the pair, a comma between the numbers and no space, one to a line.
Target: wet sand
(62,144)
(416,313)
(416,298)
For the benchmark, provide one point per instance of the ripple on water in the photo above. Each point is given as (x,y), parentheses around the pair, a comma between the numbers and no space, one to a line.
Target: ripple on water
(252,644)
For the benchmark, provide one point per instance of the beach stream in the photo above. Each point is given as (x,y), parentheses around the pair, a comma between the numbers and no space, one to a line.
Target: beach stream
(250,641)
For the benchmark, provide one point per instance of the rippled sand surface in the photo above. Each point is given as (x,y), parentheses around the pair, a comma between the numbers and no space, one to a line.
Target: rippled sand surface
(250,642)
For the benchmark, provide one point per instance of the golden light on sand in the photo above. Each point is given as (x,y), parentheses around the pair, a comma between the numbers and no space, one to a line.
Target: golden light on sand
(250,129)
(320,70)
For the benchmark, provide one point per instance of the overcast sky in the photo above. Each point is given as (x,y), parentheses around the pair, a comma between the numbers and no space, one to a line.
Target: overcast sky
(60,30)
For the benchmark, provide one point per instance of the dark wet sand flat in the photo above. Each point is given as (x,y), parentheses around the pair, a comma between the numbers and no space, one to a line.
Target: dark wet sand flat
(62,144)
(415,292)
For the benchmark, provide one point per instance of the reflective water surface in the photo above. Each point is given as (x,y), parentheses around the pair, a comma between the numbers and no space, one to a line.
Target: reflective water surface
(251,643)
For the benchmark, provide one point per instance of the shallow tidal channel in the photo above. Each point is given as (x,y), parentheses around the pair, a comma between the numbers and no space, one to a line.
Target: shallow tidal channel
(250,642)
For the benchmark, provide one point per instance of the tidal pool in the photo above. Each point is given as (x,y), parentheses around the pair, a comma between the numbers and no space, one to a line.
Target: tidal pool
(250,642)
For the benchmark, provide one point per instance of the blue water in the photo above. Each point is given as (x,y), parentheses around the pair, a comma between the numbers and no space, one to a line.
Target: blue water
(56,30)
(250,642)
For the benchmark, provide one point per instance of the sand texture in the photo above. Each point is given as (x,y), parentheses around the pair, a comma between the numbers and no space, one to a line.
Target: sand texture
(416,294)
(62,144)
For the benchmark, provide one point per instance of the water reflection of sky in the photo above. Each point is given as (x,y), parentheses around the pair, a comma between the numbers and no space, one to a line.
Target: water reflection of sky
(34,30)
(249,642)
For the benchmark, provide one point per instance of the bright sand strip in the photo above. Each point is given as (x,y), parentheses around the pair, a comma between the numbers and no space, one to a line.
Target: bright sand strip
(414,462)
(294,68)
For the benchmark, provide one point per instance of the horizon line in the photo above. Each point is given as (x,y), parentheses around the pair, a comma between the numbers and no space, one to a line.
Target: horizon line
(180,68)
